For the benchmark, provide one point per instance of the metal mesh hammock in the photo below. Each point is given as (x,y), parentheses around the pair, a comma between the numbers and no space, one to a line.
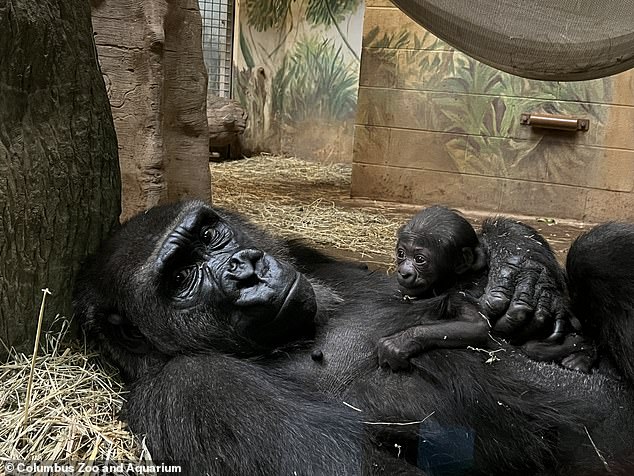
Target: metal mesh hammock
(563,40)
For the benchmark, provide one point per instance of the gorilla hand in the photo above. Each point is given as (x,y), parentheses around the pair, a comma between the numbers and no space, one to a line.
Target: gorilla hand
(573,352)
(525,296)
(395,351)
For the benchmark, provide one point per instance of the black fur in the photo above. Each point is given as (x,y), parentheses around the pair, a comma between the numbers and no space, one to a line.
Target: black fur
(263,407)
(600,268)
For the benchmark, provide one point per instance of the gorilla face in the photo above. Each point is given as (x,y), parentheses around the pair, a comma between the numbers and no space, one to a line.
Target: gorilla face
(199,282)
(205,266)
(417,268)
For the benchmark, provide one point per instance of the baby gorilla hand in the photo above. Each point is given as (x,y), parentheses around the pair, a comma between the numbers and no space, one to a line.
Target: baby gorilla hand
(395,351)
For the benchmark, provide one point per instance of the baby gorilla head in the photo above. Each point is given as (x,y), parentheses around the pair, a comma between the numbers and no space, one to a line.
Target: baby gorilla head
(434,249)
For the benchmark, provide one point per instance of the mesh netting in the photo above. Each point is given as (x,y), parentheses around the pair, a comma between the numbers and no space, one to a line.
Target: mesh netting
(561,40)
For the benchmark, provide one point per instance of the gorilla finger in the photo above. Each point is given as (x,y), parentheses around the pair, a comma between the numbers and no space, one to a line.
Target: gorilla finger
(559,331)
(499,290)
(533,328)
(383,360)
(519,294)
(579,361)
(546,302)
(513,320)
(526,291)
(392,361)
(389,354)
(397,364)
(495,301)
(520,312)
(544,317)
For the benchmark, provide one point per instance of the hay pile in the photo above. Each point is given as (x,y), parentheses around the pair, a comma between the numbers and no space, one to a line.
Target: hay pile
(75,399)
(311,200)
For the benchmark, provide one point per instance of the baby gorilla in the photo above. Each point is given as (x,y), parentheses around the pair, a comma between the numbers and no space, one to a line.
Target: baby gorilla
(441,267)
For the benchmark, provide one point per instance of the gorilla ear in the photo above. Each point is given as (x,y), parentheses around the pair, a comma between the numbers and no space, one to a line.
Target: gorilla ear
(471,259)
(126,334)
(480,259)
(465,260)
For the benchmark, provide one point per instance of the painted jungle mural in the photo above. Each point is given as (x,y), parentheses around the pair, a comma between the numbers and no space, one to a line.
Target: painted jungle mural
(297,74)
(477,104)
(436,126)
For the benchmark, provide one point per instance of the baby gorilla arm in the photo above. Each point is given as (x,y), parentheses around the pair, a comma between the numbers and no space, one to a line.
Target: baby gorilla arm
(448,322)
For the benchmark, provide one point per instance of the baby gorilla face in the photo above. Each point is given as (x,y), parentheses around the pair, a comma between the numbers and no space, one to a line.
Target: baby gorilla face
(434,248)
(417,268)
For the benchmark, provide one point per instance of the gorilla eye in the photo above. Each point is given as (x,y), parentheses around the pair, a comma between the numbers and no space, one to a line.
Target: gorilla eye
(420,259)
(207,235)
(400,254)
(181,277)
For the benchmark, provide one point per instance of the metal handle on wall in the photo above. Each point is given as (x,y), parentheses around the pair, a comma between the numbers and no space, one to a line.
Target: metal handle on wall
(550,121)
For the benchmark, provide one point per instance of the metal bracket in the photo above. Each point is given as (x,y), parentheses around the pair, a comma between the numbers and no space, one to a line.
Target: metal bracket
(550,121)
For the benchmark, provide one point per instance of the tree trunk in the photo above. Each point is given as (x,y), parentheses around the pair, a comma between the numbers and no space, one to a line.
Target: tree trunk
(151,57)
(59,175)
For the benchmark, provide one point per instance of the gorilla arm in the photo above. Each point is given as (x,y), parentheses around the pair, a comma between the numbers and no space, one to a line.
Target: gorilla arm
(527,298)
(448,322)
(222,415)
(217,414)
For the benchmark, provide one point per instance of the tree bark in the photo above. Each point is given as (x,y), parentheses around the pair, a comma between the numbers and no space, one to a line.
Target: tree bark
(151,57)
(59,174)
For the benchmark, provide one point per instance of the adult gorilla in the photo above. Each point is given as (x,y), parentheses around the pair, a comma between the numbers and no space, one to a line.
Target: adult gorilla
(248,355)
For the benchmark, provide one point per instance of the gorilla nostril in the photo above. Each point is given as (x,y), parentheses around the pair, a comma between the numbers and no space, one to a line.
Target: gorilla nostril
(234,264)
(406,279)
(243,264)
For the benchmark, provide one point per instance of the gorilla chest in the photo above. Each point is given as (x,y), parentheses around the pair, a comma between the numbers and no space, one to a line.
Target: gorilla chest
(337,359)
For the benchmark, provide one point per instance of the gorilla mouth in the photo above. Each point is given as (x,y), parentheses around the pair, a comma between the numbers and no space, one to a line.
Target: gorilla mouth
(291,294)
(287,312)
(415,291)
(274,293)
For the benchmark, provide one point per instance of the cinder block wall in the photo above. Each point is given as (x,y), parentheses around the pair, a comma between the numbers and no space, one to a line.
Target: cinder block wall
(435,126)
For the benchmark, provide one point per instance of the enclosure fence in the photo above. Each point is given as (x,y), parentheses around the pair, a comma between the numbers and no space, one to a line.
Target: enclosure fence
(218,20)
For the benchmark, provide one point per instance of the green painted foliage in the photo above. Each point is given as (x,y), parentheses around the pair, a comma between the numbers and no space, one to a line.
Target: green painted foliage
(315,82)
(328,12)
(388,40)
(266,14)
(246,51)
(481,105)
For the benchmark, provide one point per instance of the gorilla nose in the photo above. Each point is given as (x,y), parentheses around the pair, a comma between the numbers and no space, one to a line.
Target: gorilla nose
(244,264)
(406,277)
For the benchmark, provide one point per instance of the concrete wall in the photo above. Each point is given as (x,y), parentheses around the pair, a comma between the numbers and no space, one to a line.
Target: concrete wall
(435,126)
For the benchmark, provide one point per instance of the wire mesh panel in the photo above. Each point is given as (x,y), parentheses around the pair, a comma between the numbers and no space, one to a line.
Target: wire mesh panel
(218,19)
